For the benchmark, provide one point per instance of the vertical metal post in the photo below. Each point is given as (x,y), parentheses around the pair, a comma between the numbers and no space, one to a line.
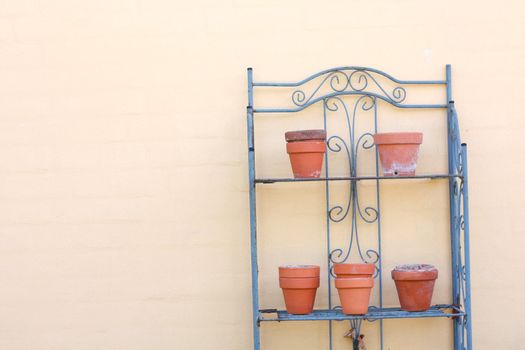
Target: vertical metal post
(466,241)
(454,242)
(328,245)
(378,201)
(253,216)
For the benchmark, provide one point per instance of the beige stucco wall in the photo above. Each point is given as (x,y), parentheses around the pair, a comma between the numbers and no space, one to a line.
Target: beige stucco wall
(123,167)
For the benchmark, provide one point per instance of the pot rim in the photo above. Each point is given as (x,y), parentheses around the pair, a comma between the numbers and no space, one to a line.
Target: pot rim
(354,269)
(299,283)
(299,271)
(348,283)
(430,275)
(299,266)
(304,135)
(415,267)
(310,146)
(398,138)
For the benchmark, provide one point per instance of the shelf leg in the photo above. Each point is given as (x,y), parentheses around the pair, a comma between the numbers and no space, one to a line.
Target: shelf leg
(253,235)
(253,216)
(466,244)
(454,234)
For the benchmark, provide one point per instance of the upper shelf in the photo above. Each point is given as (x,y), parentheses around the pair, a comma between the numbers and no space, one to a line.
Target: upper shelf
(356,178)
(374,313)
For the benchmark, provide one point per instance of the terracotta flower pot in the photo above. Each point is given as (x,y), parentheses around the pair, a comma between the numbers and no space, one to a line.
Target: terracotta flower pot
(398,152)
(354,270)
(306,149)
(299,284)
(354,294)
(415,285)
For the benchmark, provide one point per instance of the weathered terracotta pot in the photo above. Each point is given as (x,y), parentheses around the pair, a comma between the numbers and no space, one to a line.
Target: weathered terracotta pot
(354,294)
(415,285)
(398,152)
(306,149)
(354,270)
(299,284)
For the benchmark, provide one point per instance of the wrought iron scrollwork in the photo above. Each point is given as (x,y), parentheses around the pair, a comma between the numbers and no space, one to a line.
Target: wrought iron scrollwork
(458,220)
(456,140)
(350,80)
(352,209)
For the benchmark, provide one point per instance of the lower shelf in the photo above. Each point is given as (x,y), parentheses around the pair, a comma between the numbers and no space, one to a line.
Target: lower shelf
(356,178)
(373,314)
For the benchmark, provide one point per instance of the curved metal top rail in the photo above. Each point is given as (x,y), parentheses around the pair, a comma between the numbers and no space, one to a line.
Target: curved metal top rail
(344,81)
(351,68)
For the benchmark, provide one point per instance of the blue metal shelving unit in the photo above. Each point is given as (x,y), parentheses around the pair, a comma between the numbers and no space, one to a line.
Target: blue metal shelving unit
(365,88)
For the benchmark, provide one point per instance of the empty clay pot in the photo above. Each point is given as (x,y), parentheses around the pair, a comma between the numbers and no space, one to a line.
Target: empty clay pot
(354,294)
(294,271)
(299,294)
(306,149)
(354,270)
(398,152)
(299,284)
(415,285)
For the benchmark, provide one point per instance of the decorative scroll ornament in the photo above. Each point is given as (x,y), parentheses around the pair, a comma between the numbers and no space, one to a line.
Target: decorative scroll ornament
(357,81)
(456,140)
(458,221)
(352,209)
